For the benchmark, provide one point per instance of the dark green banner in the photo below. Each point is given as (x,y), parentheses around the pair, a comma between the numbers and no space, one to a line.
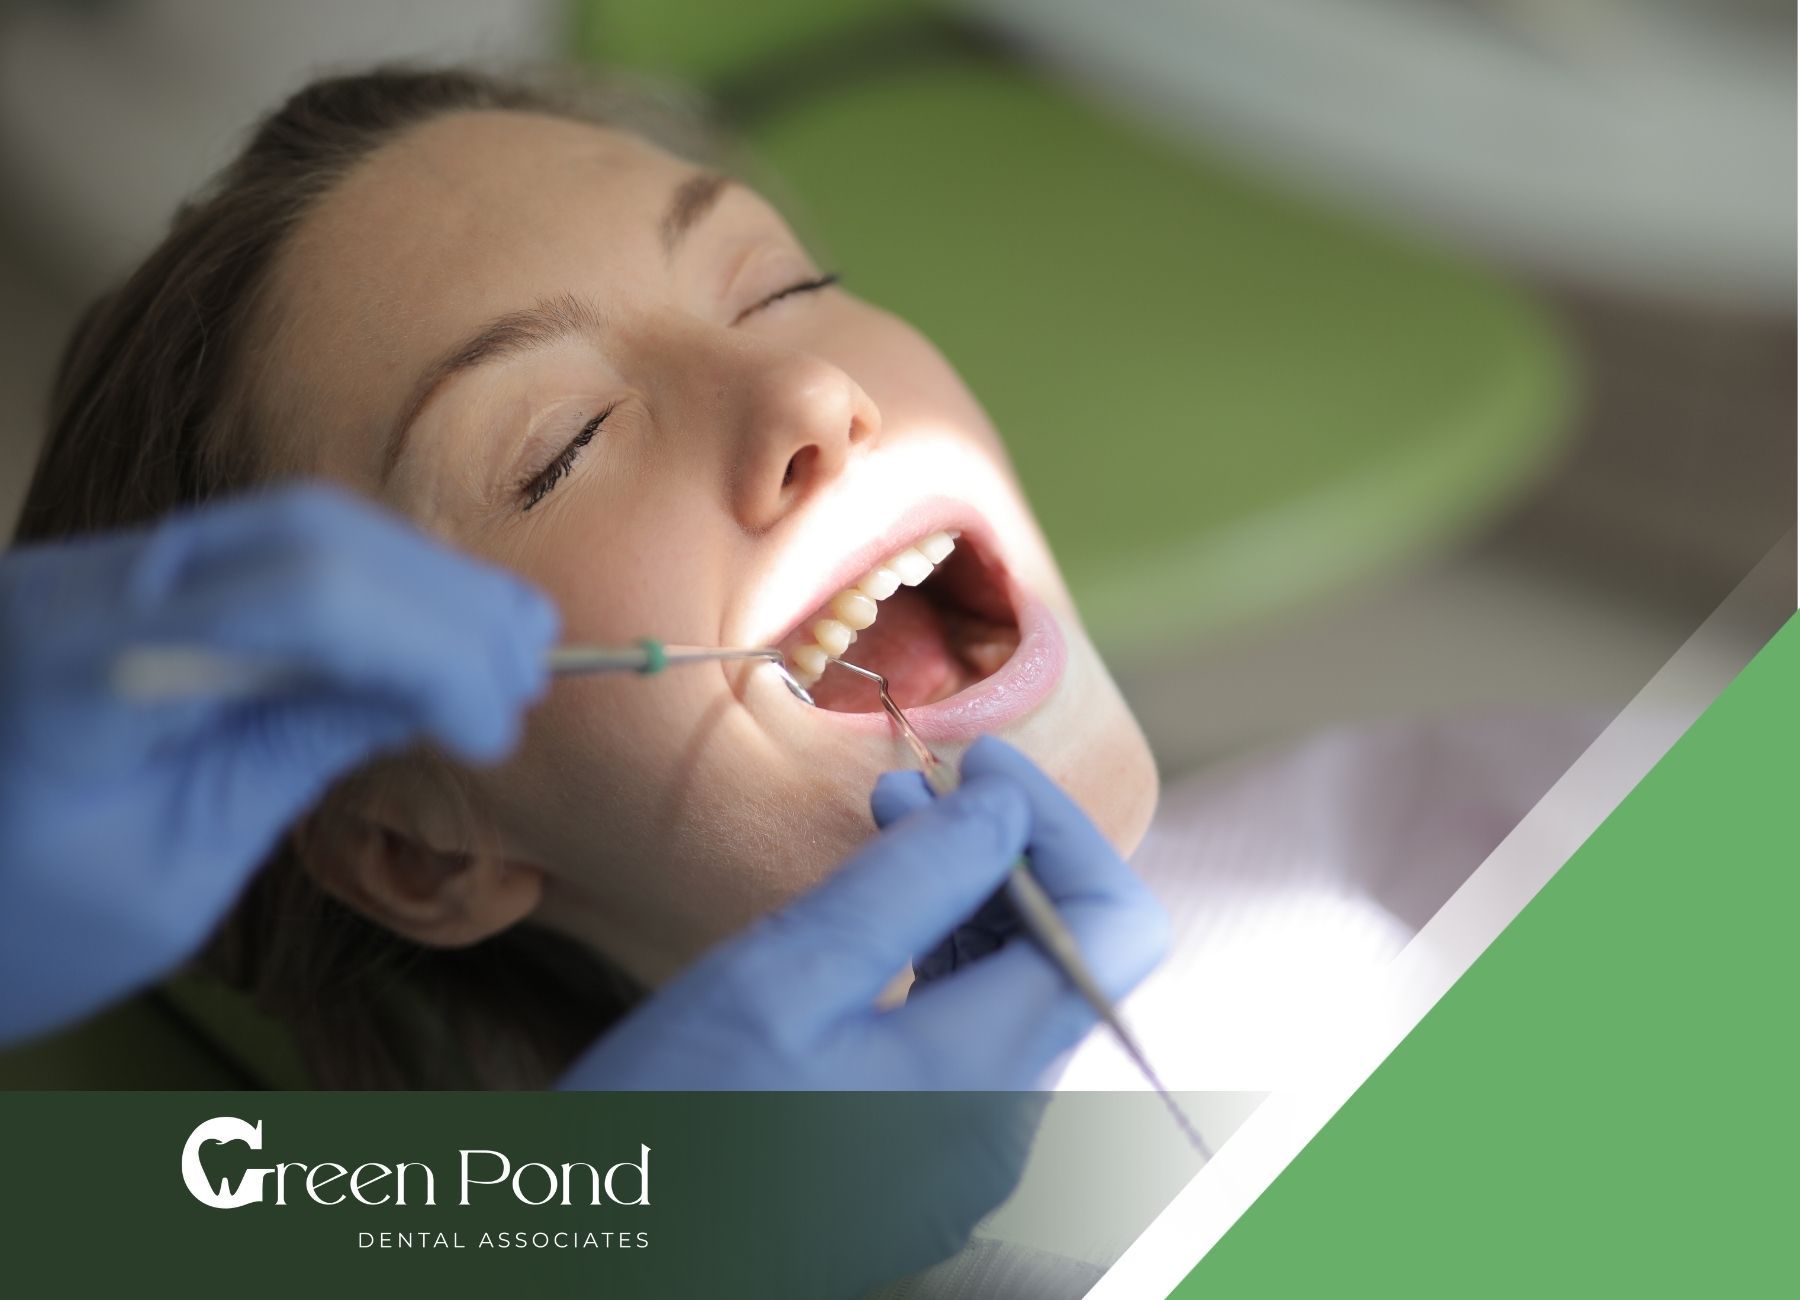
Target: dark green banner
(278,1194)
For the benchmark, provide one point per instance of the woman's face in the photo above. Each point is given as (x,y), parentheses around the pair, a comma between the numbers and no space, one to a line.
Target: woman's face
(567,352)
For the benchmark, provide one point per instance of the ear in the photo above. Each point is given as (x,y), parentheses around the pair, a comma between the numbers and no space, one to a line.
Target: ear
(438,897)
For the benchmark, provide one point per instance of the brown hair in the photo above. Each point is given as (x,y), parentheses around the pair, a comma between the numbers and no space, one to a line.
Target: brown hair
(152,411)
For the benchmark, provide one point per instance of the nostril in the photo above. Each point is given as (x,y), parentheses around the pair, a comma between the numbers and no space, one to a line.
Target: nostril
(801,464)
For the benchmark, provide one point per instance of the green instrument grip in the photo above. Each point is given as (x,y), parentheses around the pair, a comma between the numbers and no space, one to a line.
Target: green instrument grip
(655,657)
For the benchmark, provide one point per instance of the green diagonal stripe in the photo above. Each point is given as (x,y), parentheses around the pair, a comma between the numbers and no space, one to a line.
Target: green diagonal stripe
(1604,1104)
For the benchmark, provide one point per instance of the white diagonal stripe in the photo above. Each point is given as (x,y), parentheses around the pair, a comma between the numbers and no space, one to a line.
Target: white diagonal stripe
(1450,942)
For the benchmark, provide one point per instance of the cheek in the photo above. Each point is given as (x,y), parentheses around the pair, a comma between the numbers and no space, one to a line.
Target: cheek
(629,564)
(662,810)
(909,379)
(657,802)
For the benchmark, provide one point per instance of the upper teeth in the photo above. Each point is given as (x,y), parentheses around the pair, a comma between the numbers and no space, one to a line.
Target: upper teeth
(855,608)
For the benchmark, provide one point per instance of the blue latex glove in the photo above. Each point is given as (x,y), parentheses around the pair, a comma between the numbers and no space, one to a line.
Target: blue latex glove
(870,1188)
(788,1004)
(128,829)
(996,922)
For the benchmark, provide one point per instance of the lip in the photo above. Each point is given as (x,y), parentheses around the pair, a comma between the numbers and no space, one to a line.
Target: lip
(934,514)
(1020,685)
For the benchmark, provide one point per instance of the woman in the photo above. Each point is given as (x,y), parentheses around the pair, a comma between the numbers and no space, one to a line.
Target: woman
(617,373)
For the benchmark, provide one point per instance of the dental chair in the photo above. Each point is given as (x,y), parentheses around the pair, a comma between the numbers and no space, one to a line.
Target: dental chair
(1223,402)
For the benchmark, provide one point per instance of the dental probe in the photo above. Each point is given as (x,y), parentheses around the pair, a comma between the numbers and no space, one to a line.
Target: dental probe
(149,673)
(1039,916)
(649,656)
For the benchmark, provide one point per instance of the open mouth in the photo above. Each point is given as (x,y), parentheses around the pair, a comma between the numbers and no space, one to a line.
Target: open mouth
(935,618)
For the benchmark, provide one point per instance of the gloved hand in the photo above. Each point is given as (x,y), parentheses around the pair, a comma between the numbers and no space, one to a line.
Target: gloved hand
(128,828)
(874,1187)
(789,1004)
(990,926)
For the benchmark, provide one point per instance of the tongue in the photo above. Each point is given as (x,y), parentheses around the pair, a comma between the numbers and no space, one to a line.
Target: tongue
(908,646)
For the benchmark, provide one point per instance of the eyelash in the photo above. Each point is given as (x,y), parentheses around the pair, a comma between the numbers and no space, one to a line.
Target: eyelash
(805,286)
(538,486)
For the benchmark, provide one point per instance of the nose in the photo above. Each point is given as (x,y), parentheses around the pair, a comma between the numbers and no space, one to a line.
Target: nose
(803,419)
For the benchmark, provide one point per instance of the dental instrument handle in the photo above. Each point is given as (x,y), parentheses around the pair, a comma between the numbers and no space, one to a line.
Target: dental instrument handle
(1043,924)
(149,673)
(646,656)
(650,656)
(177,672)
(1039,916)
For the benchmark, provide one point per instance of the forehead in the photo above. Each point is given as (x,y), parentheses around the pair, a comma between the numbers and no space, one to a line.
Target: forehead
(488,181)
(460,219)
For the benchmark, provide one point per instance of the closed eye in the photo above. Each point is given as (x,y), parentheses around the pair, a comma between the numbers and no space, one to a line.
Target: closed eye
(805,286)
(537,486)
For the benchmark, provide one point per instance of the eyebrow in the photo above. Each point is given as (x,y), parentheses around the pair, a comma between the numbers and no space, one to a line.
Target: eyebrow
(692,200)
(547,321)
